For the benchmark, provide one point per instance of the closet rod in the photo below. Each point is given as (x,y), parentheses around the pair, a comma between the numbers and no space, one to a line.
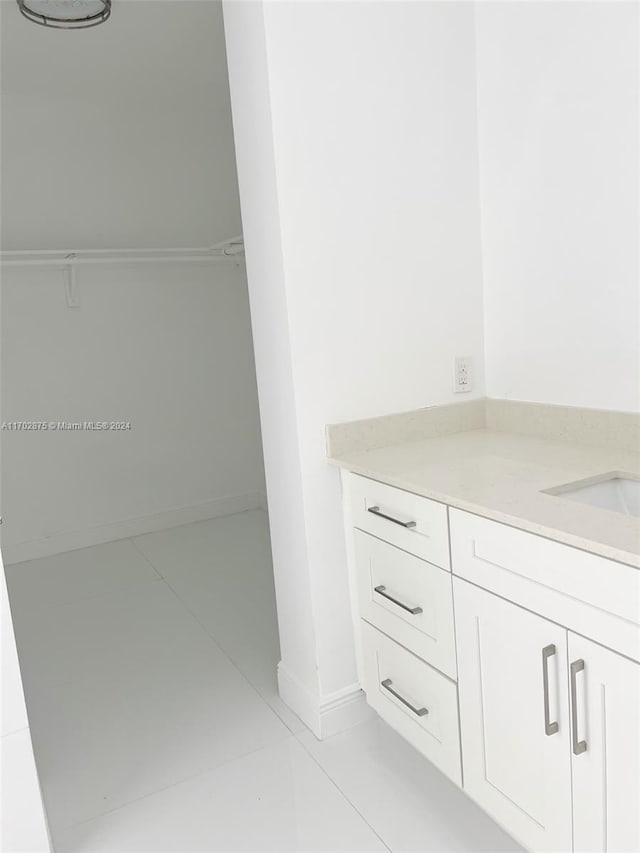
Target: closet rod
(66,258)
(73,262)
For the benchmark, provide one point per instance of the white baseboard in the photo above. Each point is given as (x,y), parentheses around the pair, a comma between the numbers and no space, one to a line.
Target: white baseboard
(343,709)
(324,715)
(71,540)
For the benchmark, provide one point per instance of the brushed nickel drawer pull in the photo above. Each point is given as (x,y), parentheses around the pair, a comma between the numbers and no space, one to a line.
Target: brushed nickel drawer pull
(548,651)
(377,511)
(419,712)
(381,590)
(578,746)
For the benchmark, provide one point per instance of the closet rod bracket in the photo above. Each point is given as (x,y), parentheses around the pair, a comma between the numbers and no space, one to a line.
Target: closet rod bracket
(71,284)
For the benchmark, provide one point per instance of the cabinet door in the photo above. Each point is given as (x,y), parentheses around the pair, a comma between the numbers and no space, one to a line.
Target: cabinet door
(514,717)
(605,704)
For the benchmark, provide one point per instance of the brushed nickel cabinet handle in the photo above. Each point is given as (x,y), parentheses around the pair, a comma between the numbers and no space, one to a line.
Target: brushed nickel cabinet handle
(578,746)
(381,590)
(377,511)
(419,712)
(548,651)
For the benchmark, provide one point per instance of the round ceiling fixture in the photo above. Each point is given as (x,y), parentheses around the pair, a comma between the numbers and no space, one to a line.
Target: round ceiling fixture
(66,14)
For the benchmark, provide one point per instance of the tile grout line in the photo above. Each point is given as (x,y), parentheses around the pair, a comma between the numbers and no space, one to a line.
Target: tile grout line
(341,792)
(210,636)
(104,594)
(140,552)
(168,787)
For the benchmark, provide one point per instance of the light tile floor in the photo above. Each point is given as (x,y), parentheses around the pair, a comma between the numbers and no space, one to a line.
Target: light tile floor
(149,667)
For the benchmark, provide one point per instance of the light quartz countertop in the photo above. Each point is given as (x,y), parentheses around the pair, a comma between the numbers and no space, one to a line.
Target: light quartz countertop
(502,476)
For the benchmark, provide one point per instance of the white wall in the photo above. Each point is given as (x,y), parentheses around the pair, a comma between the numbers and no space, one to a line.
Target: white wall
(118,136)
(366,233)
(559,147)
(249,83)
(165,347)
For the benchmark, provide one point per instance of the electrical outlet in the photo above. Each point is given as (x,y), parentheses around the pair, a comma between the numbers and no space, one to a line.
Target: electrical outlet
(462,377)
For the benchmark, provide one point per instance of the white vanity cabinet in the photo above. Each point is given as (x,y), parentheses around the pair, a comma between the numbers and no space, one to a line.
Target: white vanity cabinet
(579,595)
(511,661)
(550,728)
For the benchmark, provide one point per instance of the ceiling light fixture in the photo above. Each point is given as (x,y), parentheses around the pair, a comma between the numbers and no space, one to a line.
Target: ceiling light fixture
(66,14)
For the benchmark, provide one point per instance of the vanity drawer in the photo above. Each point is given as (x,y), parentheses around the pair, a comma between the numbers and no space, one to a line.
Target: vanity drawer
(408,599)
(589,594)
(418,702)
(410,522)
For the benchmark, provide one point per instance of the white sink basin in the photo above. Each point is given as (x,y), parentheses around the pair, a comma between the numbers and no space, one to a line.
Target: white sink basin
(615,492)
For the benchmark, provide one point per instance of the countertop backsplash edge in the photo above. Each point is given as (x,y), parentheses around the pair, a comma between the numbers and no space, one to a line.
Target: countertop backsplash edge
(592,427)
(400,428)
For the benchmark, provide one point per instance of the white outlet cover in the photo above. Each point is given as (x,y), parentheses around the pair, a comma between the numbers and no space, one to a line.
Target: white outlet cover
(463,375)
